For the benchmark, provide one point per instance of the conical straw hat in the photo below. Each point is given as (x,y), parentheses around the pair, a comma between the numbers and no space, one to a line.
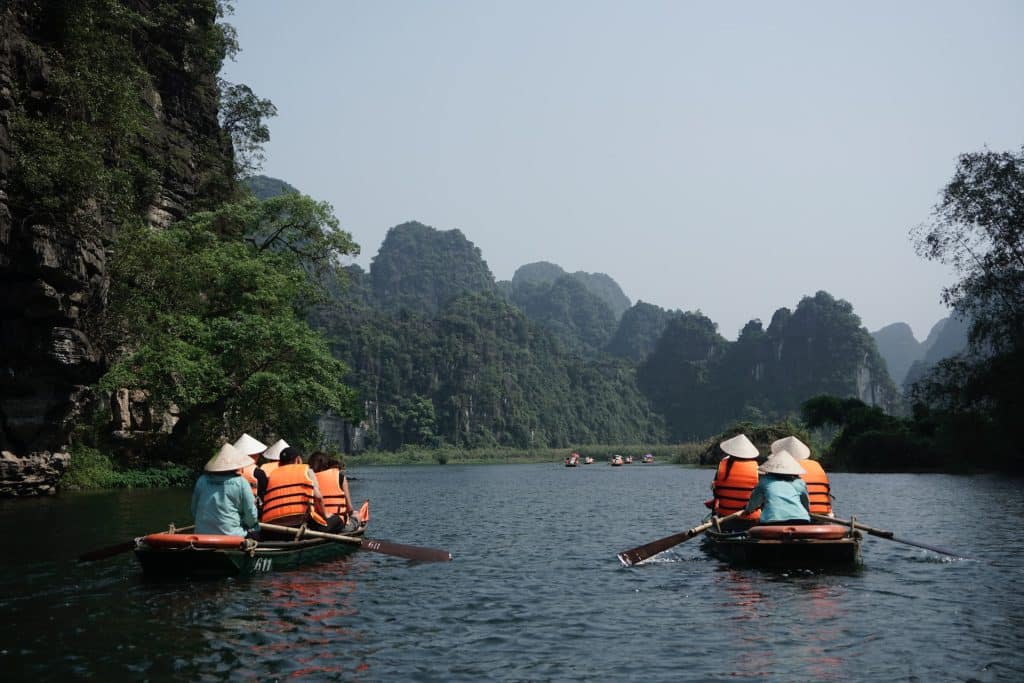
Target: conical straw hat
(739,446)
(797,448)
(249,446)
(227,459)
(274,452)
(781,463)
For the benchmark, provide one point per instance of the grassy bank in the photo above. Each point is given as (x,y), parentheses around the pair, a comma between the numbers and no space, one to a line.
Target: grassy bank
(90,469)
(682,454)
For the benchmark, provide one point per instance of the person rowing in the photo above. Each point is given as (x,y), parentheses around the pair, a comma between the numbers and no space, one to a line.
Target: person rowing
(780,494)
(222,501)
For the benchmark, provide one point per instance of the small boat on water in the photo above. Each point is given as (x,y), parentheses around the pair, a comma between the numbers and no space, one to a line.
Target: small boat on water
(648,458)
(588,460)
(780,546)
(616,461)
(629,460)
(181,554)
(573,460)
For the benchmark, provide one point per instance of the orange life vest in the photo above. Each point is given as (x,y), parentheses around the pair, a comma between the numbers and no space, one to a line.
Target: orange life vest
(290,495)
(734,482)
(269,466)
(817,487)
(249,474)
(334,495)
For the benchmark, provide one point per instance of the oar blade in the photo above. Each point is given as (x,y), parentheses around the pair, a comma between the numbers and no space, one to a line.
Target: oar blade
(109,551)
(410,552)
(633,556)
(933,548)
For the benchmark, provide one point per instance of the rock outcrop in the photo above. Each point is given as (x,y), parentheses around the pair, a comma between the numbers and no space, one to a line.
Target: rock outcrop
(53,276)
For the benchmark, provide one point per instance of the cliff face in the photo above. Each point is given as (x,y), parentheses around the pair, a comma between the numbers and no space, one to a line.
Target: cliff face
(53,272)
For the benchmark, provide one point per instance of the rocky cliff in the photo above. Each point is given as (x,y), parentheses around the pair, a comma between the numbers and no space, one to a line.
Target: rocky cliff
(53,257)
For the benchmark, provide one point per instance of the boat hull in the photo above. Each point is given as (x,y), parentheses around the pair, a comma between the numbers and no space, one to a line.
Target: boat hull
(264,557)
(738,548)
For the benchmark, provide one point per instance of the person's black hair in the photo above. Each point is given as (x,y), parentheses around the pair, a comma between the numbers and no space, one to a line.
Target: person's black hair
(289,455)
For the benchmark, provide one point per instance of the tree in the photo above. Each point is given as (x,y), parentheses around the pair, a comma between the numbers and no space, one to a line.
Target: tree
(243,116)
(978,228)
(208,317)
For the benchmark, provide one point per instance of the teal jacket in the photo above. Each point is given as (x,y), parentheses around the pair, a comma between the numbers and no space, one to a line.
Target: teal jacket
(780,499)
(223,504)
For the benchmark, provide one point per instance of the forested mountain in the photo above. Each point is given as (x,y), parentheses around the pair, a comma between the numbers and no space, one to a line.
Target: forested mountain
(898,346)
(948,338)
(479,374)
(598,284)
(639,330)
(265,187)
(581,321)
(421,269)
(701,382)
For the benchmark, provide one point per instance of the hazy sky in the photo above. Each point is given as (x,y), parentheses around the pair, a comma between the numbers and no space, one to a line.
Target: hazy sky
(732,157)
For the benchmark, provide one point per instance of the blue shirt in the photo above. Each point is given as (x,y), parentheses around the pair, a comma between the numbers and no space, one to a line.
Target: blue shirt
(780,499)
(222,503)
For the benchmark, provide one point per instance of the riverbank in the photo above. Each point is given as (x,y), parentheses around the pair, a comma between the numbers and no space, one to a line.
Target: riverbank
(679,454)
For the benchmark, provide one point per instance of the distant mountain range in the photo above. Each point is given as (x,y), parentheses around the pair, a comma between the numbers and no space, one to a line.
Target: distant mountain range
(908,359)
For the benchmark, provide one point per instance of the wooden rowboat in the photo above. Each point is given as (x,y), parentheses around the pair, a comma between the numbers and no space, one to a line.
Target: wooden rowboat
(778,546)
(180,555)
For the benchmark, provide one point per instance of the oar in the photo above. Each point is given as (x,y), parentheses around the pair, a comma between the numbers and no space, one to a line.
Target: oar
(410,552)
(111,550)
(630,557)
(882,533)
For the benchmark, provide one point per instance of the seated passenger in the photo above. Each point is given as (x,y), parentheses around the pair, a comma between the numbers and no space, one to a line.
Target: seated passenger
(246,445)
(333,485)
(735,479)
(818,489)
(260,474)
(780,493)
(222,502)
(293,497)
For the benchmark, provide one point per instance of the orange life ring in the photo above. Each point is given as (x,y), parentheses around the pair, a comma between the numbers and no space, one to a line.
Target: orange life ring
(785,532)
(193,541)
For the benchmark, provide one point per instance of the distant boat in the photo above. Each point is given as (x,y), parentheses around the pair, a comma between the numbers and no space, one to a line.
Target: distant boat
(648,457)
(616,461)
(588,460)
(573,460)
(629,459)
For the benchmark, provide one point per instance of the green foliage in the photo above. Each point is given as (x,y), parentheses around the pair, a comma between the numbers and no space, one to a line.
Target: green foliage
(208,316)
(579,320)
(639,330)
(421,269)
(82,139)
(978,228)
(600,285)
(265,187)
(760,434)
(90,469)
(243,117)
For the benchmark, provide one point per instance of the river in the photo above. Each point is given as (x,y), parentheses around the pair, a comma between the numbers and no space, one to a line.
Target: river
(535,592)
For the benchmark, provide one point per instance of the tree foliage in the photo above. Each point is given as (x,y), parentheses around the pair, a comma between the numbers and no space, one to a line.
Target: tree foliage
(210,319)
(580,320)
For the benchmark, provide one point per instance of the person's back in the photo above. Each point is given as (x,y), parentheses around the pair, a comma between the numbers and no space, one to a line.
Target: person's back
(782,496)
(222,502)
(333,486)
(734,480)
(289,497)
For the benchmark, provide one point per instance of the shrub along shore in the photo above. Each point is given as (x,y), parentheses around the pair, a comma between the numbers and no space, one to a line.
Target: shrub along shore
(92,470)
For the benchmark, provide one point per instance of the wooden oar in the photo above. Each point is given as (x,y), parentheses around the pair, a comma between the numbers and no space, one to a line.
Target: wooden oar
(111,550)
(410,552)
(882,533)
(630,557)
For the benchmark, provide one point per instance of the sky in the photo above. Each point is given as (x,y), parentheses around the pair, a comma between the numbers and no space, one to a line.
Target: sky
(730,158)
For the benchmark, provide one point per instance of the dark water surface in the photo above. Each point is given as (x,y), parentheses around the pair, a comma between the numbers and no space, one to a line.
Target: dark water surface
(535,591)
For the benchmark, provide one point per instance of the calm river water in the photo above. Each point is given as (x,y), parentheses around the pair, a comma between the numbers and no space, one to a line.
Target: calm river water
(535,592)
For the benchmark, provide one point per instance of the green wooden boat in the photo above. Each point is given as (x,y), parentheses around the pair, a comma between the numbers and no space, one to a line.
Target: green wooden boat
(827,546)
(181,555)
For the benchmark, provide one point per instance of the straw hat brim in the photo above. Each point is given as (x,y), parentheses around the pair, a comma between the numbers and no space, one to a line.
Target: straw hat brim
(781,463)
(274,452)
(797,448)
(228,459)
(739,446)
(249,446)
